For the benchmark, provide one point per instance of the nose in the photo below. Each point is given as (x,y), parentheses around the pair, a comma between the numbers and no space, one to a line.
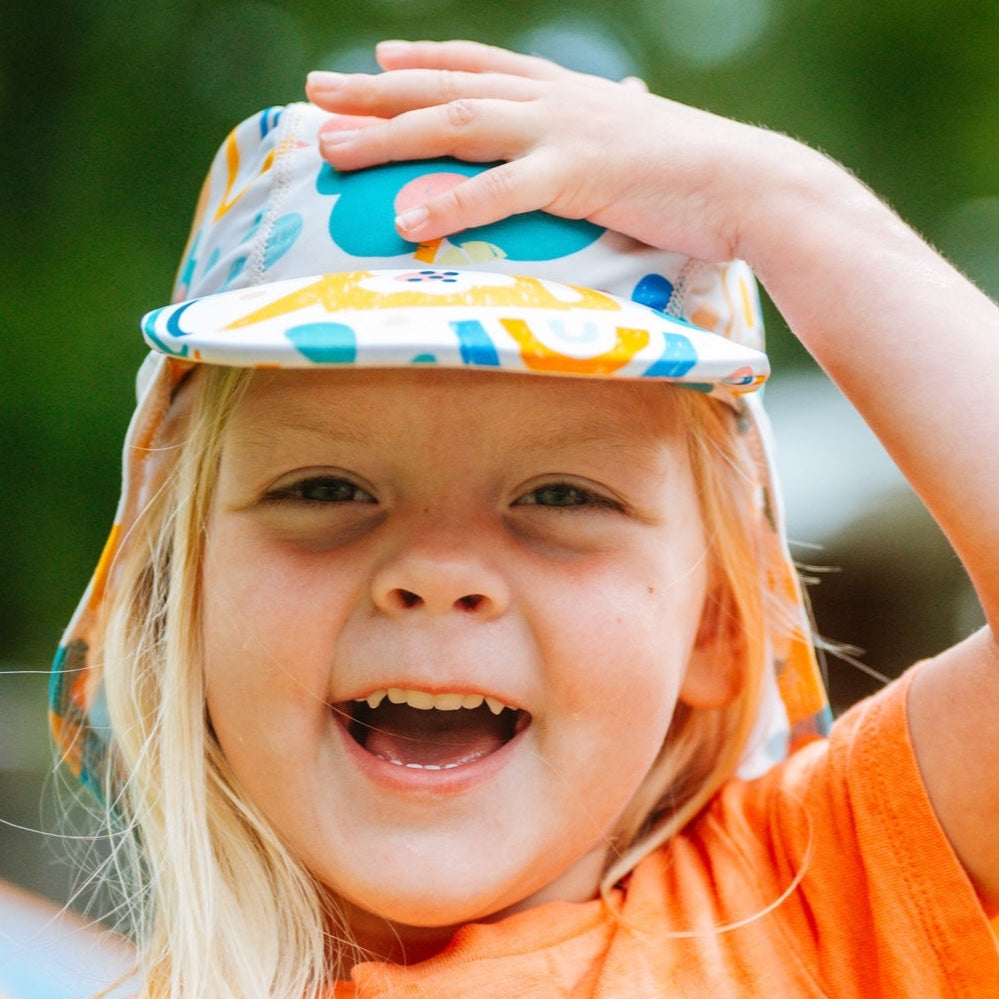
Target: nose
(438,582)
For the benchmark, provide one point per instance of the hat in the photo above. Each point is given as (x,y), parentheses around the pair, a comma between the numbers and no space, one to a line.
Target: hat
(292,264)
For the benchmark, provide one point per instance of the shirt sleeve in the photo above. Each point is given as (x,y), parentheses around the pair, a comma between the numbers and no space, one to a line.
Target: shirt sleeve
(865,886)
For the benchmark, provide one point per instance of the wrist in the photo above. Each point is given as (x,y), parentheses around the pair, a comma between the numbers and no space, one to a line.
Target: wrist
(794,197)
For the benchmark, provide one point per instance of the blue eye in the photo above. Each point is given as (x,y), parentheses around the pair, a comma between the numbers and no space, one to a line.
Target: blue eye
(323,489)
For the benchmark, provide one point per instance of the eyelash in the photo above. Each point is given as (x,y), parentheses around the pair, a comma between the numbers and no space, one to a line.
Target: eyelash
(338,490)
(578,497)
(335,490)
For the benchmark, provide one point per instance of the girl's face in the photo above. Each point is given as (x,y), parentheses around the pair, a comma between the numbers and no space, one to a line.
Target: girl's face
(447,618)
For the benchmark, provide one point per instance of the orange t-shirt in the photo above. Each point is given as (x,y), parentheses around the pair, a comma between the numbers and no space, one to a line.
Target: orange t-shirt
(829,876)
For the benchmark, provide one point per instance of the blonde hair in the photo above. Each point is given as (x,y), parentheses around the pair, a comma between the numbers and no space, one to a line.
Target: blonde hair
(211,880)
(703,747)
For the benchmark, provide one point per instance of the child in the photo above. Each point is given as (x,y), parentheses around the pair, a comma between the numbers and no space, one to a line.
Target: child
(447,620)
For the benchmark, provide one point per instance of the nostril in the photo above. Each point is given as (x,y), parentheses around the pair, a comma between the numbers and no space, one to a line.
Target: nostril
(406,599)
(409,599)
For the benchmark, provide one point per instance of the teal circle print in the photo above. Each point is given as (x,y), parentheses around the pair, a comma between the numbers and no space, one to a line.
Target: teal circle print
(362,220)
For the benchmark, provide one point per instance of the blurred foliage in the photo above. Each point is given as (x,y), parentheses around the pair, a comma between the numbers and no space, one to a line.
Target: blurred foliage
(111,111)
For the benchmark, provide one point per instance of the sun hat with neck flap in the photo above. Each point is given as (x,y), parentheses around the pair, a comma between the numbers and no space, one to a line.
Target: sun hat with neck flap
(292,264)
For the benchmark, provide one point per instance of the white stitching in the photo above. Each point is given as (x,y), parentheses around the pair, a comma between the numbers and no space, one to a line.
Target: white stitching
(288,129)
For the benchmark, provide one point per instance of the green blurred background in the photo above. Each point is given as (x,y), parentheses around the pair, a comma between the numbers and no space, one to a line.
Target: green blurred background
(112,110)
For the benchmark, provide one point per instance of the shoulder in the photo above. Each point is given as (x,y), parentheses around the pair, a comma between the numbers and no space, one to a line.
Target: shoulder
(838,850)
(953,708)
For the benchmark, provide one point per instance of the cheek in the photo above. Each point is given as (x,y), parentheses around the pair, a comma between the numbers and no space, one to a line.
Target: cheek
(629,624)
(619,650)
(269,631)
(265,602)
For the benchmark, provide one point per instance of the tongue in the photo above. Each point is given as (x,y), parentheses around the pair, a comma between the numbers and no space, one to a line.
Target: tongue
(433,738)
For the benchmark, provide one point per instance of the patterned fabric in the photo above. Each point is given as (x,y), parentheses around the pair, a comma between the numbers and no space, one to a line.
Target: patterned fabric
(454,318)
(292,264)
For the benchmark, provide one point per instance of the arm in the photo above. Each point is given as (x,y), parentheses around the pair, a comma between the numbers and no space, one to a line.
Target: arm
(912,343)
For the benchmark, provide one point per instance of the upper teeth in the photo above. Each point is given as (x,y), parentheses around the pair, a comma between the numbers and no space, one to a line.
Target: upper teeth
(425,701)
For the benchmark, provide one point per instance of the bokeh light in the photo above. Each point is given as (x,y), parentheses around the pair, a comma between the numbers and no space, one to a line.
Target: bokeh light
(706,32)
(582,44)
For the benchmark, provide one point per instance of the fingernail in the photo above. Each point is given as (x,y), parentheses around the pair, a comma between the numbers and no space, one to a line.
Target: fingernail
(391,45)
(411,219)
(322,81)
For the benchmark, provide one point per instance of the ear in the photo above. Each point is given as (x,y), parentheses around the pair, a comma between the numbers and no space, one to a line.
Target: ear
(715,670)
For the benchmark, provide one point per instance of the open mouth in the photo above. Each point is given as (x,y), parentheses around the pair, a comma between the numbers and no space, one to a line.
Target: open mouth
(413,728)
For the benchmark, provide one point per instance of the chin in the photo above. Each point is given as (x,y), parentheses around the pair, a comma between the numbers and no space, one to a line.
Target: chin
(444,901)
(432,909)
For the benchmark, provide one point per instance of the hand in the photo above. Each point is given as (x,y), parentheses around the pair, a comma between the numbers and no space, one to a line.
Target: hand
(573,145)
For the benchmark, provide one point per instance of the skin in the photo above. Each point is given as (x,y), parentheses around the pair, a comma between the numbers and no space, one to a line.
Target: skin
(912,343)
(535,540)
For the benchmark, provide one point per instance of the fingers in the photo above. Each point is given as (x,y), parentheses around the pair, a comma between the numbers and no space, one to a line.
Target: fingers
(388,94)
(635,83)
(547,125)
(470,57)
(504,190)
(477,131)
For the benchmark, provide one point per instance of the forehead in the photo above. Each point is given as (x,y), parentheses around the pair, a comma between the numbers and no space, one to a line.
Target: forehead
(367,402)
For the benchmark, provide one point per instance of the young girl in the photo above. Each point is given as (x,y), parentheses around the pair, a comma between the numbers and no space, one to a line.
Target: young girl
(447,626)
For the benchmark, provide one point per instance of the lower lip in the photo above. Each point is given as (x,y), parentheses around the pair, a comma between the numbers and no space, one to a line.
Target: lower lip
(421,780)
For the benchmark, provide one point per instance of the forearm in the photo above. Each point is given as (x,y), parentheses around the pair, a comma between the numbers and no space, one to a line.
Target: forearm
(912,343)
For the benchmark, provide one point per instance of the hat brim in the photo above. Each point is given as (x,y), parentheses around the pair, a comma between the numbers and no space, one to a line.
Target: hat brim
(450,318)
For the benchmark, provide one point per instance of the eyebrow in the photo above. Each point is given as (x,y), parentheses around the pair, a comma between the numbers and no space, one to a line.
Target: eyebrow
(259,432)
(634,444)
